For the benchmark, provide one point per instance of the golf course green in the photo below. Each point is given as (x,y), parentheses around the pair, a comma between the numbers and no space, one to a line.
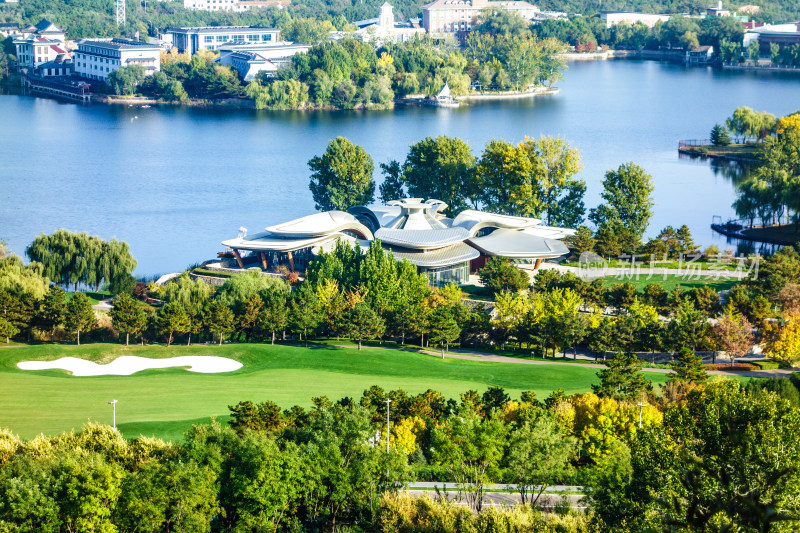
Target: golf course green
(165,402)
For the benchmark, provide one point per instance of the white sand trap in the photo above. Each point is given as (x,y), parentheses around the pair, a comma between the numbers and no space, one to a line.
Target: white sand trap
(127,365)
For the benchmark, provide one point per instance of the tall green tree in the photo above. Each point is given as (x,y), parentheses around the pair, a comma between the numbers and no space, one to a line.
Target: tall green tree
(50,312)
(218,319)
(128,317)
(173,317)
(627,192)
(363,323)
(441,168)
(442,327)
(622,379)
(80,315)
(342,177)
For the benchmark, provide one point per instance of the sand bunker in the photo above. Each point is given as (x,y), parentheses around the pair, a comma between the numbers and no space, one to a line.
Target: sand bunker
(127,365)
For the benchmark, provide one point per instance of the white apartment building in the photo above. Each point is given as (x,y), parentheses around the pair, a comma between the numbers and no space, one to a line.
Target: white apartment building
(648,19)
(40,44)
(96,59)
(457,17)
(192,40)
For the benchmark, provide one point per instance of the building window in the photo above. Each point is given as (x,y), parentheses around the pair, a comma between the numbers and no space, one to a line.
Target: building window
(266,37)
(209,38)
(220,38)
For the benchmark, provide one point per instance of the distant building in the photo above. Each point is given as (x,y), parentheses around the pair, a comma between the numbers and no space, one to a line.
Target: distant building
(39,44)
(781,34)
(699,55)
(457,17)
(192,40)
(250,59)
(9,28)
(97,58)
(718,11)
(384,28)
(648,19)
(233,5)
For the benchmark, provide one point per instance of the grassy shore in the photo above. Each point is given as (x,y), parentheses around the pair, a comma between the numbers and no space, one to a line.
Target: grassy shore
(747,151)
(782,232)
(165,403)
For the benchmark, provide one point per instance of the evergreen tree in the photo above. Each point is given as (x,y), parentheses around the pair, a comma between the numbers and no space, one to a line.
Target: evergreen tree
(501,275)
(363,323)
(51,311)
(173,317)
(720,136)
(80,315)
(443,329)
(248,316)
(304,313)
(218,319)
(342,177)
(128,317)
(622,379)
(688,366)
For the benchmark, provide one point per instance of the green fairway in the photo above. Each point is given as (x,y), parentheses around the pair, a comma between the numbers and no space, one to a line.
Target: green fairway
(669,282)
(166,402)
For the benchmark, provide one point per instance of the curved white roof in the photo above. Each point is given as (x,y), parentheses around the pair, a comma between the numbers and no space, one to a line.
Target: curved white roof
(320,224)
(516,244)
(475,220)
(422,239)
(263,242)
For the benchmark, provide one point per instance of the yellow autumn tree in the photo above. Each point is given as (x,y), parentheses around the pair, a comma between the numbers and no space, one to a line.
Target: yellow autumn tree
(405,434)
(601,421)
(788,122)
(783,341)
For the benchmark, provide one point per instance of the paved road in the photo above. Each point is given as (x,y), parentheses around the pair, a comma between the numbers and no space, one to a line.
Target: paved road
(507,499)
(511,487)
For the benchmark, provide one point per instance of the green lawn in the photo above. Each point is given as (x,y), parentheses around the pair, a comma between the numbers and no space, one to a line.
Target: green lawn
(644,264)
(166,402)
(94,297)
(670,282)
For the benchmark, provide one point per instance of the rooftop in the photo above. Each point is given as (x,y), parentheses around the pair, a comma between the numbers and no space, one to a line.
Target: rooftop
(118,44)
(217,29)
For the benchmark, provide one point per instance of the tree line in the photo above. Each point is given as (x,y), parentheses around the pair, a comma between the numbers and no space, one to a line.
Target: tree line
(642,467)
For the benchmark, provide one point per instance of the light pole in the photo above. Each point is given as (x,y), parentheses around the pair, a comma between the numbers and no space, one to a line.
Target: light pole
(388,401)
(641,406)
(113,404)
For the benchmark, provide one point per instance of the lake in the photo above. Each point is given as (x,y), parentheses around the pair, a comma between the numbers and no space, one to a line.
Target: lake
(174,182)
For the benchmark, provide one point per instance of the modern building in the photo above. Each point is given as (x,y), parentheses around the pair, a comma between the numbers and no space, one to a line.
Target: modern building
(97,58)
(718,11)
(648,19)
(780,34)
(251,58)
(39,44)
(192,40)
(445,249)
(384,28)
(457,17)
(233,5)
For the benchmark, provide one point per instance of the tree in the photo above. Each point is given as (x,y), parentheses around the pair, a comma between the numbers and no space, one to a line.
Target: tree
(128,317)
(754,50)
(8,308)
(441,168)
(126,79)
(363,323)
(783,341)
(173,317)
(273,315)
(501,275)
(218,319)
(688,328)
(392,187)
(555,164)
(735,334)
(443,329)
(342,177)
(304,311)
(539,454)
(627,192)
(51,311)
(622,379)
(468,447)
(688,366)
(79,315)
(720,136)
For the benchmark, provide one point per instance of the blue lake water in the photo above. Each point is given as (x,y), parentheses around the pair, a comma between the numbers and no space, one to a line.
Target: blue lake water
(174,182)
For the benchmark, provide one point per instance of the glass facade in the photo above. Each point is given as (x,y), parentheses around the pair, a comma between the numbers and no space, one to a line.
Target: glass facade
(458,274)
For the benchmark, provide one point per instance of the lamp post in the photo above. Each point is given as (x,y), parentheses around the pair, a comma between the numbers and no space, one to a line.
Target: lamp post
(641,406)
(113,404)
(388,401)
